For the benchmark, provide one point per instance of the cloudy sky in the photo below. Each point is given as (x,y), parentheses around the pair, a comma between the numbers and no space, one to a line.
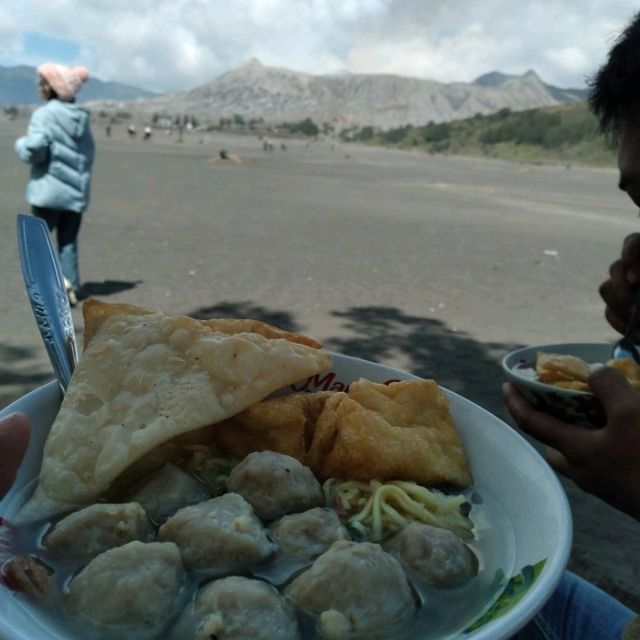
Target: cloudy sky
(166,45)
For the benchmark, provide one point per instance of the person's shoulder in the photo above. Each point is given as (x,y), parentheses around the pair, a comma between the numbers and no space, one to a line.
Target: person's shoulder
(69,112)
(55,105)
(72,108)
(43,113)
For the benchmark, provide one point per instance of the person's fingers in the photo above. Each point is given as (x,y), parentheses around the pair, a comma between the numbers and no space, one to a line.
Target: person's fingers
(15,431)
(619,277)
(616,290)
(617,293)
(619,323)
(587,479)
(631,263)
(558,461)
(620,401)
(596,482)
(631,258)
(572,440)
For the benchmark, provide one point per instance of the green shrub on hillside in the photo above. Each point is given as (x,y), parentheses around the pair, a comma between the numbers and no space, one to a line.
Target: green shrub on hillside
(306,127)
(436,132)
(551,134)
(547,129)
(394,136)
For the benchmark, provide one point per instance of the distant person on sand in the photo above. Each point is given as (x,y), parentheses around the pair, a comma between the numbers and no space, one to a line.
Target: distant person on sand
(60,149)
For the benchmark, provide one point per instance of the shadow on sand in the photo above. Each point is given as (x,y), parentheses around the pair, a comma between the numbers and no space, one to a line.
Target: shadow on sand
(385,334)
(281,319)
(430,349)
(107,287)
(22,378)
(9,355)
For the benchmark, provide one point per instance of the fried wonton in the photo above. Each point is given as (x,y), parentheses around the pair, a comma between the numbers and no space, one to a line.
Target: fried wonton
(145,378)
(553,368)
(285,425)
(400,431)
(95,312)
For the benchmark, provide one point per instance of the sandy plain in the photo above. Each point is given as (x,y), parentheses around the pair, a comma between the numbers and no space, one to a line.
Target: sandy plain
(437,265)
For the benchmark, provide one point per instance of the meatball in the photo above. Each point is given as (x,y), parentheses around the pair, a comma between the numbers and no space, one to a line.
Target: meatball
(438,555)
(275,484)
(97,528)
(309,533)
(222,534)
(131,589)
(239,608)
(360,583)
(165,491)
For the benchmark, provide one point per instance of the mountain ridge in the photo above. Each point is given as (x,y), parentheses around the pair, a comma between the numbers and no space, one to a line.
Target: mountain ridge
(18,88)
(273,95)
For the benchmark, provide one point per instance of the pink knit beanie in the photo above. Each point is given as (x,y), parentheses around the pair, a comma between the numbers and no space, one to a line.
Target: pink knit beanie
(65,81)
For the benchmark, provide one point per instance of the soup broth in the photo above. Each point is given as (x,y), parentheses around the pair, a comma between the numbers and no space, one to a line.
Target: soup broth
(441,613)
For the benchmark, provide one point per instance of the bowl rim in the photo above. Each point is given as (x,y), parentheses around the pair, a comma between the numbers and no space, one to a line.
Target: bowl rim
(543,387)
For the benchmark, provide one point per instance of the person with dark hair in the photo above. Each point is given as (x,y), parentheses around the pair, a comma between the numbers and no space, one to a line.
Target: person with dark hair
(615,99)
(605,461)
(60,149)
(615,89)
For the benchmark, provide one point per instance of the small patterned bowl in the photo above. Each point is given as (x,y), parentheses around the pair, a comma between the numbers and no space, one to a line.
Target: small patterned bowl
(578,407)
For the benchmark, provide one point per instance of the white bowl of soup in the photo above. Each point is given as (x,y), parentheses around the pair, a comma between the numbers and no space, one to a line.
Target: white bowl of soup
(522,528)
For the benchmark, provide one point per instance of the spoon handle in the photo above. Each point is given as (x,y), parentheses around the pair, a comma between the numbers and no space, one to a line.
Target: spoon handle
(47,295)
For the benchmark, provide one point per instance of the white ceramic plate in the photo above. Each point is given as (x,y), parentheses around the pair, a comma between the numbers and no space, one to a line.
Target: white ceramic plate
(525,514)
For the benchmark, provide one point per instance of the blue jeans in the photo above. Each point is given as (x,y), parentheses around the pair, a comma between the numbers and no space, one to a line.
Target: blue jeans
(578,610)
(67,226)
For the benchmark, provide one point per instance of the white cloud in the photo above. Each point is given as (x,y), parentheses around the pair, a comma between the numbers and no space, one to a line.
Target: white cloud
(177,44)
(10,34)
(462,56)
(572,60)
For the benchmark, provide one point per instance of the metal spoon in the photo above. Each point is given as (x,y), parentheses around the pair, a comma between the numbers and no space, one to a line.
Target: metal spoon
(47,295)
(625,347)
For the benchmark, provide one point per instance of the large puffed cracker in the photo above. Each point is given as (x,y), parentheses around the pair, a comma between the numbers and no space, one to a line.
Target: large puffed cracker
(400,431)
(95,313)
(145,378)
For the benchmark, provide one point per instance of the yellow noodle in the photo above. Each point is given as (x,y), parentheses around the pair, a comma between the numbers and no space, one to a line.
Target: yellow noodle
(394,516)
(360,528)
(366,510)
(386,508)
(410,506)
(376,523)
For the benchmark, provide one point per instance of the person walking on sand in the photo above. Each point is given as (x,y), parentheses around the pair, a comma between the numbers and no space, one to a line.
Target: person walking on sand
(59,147)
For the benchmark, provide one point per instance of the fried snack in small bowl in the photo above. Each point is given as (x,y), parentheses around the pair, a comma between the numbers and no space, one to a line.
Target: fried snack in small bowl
(553,378)
(629,368)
